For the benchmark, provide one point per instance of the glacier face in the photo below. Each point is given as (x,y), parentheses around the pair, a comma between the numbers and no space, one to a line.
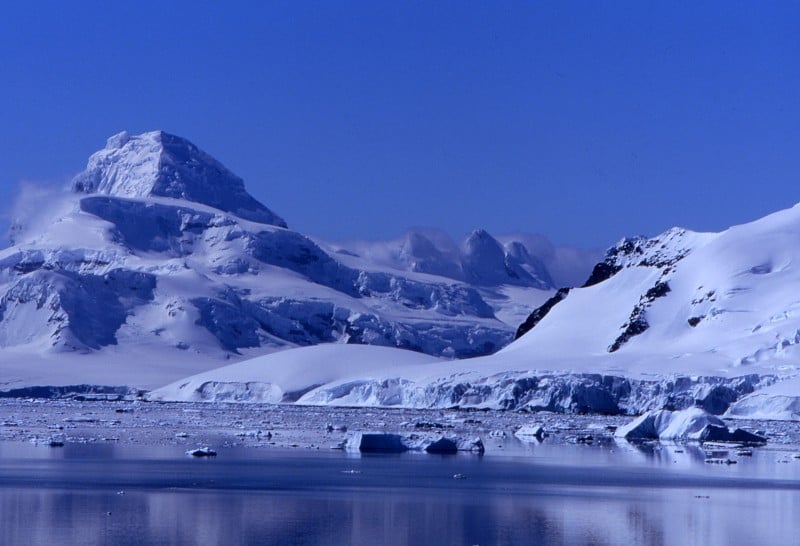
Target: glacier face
(158,245)
(577,393)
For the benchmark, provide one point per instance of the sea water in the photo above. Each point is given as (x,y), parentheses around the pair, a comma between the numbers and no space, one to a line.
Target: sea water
(559,494)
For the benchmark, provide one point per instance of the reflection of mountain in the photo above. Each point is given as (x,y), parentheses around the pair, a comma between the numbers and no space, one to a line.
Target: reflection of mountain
(420,495)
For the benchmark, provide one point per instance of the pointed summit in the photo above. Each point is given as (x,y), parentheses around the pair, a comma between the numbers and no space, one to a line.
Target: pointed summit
(163,165)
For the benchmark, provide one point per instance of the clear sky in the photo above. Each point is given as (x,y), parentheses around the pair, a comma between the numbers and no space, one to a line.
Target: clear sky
(584,121)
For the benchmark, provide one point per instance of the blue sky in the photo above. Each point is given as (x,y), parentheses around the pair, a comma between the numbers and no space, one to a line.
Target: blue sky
(584,121)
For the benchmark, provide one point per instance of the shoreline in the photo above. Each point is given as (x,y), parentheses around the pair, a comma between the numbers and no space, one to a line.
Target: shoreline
(263,426)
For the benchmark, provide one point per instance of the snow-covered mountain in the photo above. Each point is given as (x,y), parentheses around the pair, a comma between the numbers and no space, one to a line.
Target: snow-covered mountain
(671,321)
(157,250)
(704,302)
(481,259)
(162,165)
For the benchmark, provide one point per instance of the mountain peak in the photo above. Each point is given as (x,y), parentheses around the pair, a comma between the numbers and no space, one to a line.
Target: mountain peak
(158,164)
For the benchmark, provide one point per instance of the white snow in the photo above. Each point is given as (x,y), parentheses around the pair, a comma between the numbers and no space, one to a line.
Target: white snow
(269,378)
(669,425)
(780,401)
(382,442)
(528,433)
(159,164)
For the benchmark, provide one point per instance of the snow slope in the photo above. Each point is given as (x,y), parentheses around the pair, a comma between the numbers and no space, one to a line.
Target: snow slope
(285,376)
(722,303)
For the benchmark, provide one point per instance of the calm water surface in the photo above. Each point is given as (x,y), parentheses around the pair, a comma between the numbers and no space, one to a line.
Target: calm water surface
(560,494)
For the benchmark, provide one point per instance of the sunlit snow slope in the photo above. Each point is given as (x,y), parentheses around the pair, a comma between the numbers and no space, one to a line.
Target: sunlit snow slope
(724,303)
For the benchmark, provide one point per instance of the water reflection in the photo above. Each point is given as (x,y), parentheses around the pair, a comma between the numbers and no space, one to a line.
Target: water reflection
(605,517)
(109,497)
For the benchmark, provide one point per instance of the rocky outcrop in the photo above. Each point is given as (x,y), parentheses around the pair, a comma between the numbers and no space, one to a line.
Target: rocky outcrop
(540,312)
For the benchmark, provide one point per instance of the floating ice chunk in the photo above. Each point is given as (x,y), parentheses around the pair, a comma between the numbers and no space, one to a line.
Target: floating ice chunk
(452,444)
(474,445)
(202,452)
(527,433)
(335,428)
(689,424)
(397,443)
(442,445)
(376,443)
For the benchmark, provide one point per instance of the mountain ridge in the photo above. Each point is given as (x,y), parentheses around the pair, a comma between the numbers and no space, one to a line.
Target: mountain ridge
(141,253)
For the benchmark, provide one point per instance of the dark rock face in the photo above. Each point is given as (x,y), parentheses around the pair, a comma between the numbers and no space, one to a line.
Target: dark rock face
(637,322)
(658,291)
(541,312)
(615,260)
(661,252)
(601,272)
